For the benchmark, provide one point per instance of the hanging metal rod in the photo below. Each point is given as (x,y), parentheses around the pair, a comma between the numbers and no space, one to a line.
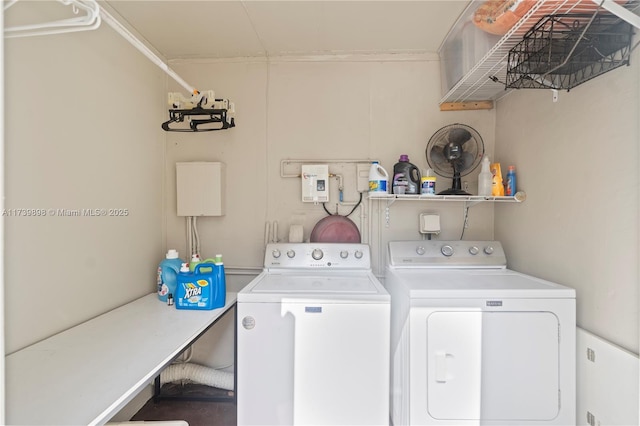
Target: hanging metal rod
(93,15)
(127,35)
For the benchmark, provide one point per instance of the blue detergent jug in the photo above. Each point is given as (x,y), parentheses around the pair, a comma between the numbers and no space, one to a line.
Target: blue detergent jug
(201,289)
(167,275)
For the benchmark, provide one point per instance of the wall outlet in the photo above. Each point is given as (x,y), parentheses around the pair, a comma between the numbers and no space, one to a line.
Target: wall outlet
(362,175)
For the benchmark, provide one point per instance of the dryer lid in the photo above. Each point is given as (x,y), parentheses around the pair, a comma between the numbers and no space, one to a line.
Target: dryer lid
(475,283)
(292,284)
(332,288)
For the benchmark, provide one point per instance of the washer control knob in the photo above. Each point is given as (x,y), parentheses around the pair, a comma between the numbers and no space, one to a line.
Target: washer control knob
(447,250)
(317,254)
(291,254)
(358,254)
(420,250)
(474,250)
(344,254)
(488,250)
(276,253)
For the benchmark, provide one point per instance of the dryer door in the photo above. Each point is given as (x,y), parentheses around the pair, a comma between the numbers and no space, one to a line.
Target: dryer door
(484,365)
(520,367)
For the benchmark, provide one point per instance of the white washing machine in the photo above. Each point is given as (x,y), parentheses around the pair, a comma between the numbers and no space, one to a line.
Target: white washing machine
(313,339)
(473,343)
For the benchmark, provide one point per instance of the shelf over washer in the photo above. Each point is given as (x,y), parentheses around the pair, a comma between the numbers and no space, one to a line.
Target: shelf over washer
(470,199)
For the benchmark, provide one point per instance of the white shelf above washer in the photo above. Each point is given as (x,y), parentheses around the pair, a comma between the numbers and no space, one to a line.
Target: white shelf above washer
(469,200)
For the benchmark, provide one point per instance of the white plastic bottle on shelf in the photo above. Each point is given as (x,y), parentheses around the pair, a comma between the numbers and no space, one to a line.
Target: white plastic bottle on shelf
(378,179)
(485,178)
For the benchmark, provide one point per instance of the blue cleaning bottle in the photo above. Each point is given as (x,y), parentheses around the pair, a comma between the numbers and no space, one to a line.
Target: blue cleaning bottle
(511,188)
(167,274)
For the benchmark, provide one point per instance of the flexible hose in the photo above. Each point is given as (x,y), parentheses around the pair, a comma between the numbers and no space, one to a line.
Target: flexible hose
(197,374)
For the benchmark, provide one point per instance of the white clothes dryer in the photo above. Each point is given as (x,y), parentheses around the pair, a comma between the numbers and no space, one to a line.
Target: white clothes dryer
(313,339)
(474,343)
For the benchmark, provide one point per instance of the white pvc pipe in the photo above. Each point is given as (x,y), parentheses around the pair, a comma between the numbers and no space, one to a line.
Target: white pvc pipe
(283,163)
(196,236)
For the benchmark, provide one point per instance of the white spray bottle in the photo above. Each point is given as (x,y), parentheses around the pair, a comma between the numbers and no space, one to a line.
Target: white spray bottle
(485,178)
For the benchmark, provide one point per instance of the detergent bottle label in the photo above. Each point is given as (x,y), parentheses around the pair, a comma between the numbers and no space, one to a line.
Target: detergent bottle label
(193,292)
(162,289)
(378,185)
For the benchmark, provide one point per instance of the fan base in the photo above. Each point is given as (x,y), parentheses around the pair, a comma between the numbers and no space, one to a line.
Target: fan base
(452,191)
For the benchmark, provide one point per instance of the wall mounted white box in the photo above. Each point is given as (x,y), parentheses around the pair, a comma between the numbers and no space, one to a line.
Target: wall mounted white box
(200,189)
(315,183)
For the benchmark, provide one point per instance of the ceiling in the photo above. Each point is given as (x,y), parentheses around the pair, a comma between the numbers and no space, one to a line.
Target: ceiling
(228,29)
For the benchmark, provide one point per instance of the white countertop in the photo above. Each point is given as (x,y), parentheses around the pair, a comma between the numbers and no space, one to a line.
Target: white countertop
(85,375)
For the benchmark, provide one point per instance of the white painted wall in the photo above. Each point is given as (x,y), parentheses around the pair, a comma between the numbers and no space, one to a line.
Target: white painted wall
(578,160)
(82,116)
(315,108)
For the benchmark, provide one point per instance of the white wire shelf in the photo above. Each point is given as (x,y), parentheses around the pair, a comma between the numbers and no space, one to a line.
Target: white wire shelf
(479,84)
(471,199)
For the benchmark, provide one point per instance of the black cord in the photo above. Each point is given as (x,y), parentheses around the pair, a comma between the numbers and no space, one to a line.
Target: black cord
(464,222)
(356,206)
(495,79)
(336,213)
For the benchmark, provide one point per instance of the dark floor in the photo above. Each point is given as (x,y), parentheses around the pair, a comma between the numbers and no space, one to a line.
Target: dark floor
(192,404)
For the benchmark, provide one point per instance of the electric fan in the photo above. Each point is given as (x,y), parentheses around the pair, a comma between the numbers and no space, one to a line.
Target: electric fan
(454,151)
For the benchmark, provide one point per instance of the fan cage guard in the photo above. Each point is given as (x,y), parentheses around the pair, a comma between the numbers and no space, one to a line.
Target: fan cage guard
(555,54)
(447,171)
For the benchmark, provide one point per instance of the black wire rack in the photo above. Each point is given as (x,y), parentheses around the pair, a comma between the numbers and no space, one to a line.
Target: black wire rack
(564,50)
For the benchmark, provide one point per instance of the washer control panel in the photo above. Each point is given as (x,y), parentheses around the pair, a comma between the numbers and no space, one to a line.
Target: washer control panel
(447,254)
(317,255)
